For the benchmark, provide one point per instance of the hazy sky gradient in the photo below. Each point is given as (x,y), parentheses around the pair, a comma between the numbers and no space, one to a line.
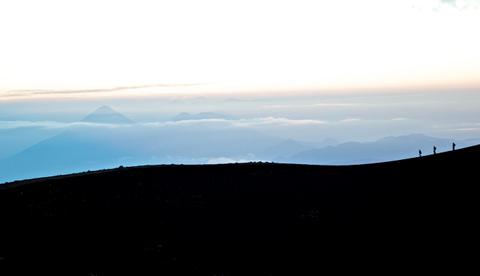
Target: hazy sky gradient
(70,45)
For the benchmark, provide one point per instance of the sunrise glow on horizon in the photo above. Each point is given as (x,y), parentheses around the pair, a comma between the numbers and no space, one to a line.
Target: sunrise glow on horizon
(222,45)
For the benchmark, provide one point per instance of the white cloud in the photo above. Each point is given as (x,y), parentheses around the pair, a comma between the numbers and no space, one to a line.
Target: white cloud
(51,124)
(198,122)
(293,106)
(462,4)
(350,120)
(261,122)
(466,129)
(253,122)
(276,121)
(21,93)
(354,120)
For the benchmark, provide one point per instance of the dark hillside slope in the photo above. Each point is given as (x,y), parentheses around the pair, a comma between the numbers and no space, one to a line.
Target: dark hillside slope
(245,219)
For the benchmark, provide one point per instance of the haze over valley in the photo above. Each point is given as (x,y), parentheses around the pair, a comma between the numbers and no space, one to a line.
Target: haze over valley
(42,138)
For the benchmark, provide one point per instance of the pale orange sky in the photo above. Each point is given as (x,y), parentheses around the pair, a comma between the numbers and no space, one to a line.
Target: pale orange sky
(251,45)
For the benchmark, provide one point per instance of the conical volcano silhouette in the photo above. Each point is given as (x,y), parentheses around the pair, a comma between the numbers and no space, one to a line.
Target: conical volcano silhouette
(106,115)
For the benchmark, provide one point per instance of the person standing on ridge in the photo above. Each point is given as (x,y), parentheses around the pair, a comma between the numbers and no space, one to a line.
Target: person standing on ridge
(434,150)
(453,146)
(419,153)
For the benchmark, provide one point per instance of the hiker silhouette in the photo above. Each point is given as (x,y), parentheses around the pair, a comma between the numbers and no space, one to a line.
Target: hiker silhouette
(419,153)
(453,146)
(434,150)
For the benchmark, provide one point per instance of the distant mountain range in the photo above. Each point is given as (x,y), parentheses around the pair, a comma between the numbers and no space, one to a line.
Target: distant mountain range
(106,115)
(386,149)
(114,140)
(125,143)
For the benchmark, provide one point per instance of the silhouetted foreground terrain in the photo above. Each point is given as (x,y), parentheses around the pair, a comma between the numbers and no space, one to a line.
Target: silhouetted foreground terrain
(245,219)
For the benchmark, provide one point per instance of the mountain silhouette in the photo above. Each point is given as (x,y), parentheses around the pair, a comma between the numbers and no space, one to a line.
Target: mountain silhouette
(245,219)
(106,115)
(385,149)
(93,147)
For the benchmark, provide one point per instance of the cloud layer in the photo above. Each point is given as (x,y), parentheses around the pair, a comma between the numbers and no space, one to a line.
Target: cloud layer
(241,123)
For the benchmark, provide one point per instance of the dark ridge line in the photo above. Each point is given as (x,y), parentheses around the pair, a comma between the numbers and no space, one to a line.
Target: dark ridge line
(17,183)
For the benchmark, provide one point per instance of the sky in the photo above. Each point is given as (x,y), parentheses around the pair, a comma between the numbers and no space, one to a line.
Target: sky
(52,48)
